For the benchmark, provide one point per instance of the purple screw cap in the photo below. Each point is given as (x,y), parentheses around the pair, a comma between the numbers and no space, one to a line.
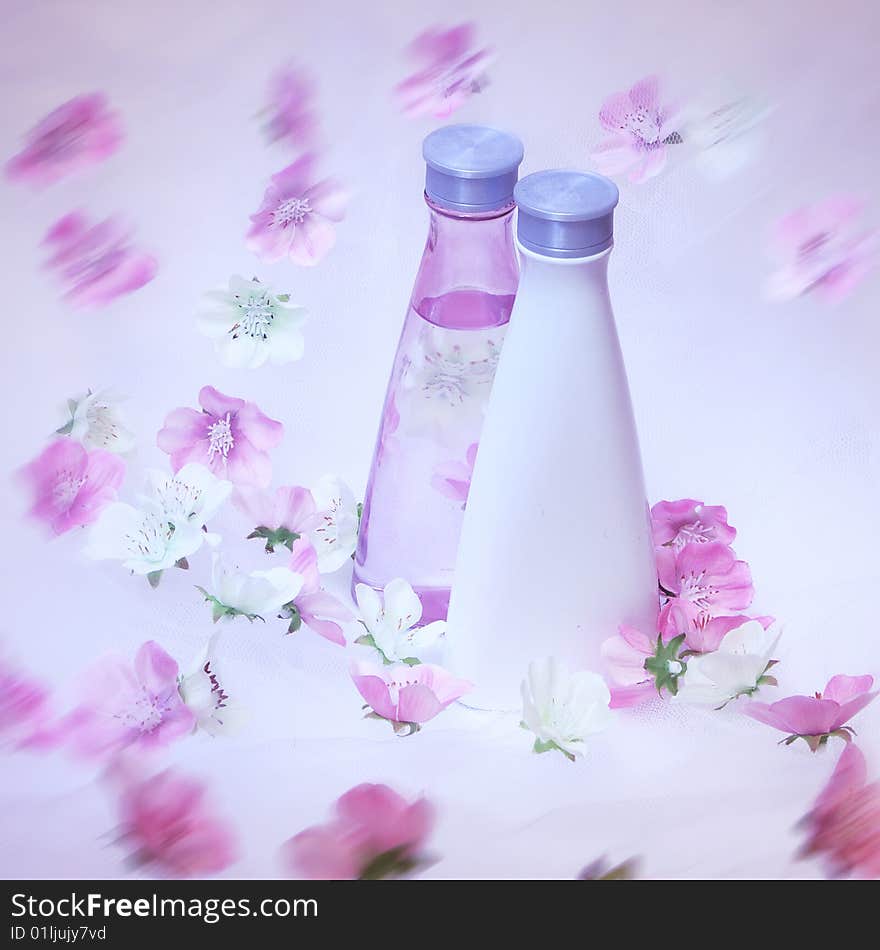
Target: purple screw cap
(565,213)
(471,168)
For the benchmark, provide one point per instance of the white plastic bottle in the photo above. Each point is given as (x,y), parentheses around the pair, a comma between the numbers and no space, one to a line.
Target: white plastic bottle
(556,547)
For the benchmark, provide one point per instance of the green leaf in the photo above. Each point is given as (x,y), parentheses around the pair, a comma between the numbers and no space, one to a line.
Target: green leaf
(274,536)
(411,661)
(154,577)
(66,429)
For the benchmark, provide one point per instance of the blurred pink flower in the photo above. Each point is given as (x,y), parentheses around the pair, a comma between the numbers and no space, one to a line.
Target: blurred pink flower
(96,261)
(450,70)
(314,607)
(70,485)
(375,833)
(125,705)
(297,215)
(816,718)
(24,708)
(843,826)
(280,517)
(641,129)
(76,134)
(407,695)
(706,580)
(703,633)
(168,821)
(291,118)
(453,479)
(819,248)
(229,436)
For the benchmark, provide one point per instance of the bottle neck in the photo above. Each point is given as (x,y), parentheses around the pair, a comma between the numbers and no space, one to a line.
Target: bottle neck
(474,254)
(572,278)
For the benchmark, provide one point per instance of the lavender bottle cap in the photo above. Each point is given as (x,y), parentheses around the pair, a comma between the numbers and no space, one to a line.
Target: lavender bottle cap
(565,213)
(471,168)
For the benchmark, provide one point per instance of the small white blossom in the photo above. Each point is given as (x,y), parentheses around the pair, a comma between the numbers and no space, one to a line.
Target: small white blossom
(563,709)
(737,668)
(257,594)
(391,621)
(335,532)
(97,422)
(250,324)
(202,689)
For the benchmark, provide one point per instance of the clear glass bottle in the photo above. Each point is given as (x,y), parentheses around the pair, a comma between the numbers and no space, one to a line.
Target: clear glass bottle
(556,549)
(445,364)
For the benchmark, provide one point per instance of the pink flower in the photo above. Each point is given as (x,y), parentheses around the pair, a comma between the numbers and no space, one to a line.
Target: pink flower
(70,485)
(291,116)
(375,833)
(312,606)
(125,705)
(449,71)
(819,248)
(844,824)
(641,129)
(706,580)
(230,436)
(279,518)
(816,718)
(453,479)
(297,215)
(703,633)
(677,523)
(74,135)
(96,261)
(24,708)
(167,820)
(626,656)
(407,695)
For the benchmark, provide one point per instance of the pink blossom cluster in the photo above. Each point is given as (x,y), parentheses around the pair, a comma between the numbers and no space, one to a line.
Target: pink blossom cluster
(704,589)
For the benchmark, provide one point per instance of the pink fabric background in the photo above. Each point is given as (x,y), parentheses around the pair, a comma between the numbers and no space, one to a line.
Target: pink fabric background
(771,410)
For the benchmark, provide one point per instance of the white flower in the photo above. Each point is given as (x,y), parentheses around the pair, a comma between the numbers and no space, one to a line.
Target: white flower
(203,691)
(194,494)
(144,541)
(563,708)
(334,536)
(725,127)
(736,668)
(167,528)
(249,324)
(445,384)
(391,620)
(96,422)
(255,594)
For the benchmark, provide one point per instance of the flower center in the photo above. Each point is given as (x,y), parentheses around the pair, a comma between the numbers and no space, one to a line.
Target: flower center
(697,590)
(102,426)
(145,713)
(179,501)
(152,538)
(256,314)
(291,211)
(643,124)
(696,532)
(222,441)
(66,489)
